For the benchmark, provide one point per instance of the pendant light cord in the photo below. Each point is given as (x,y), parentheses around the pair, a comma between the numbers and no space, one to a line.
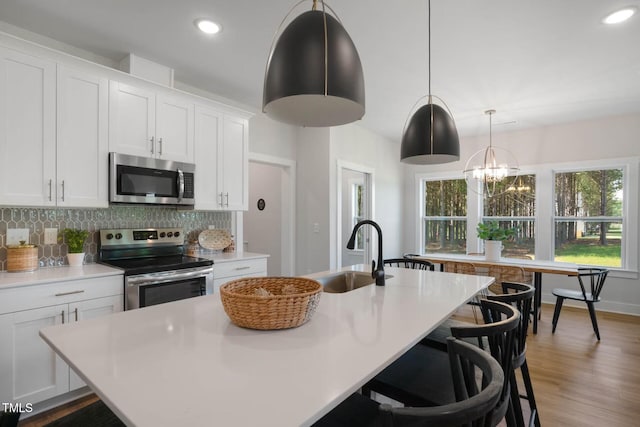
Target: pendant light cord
(429,45)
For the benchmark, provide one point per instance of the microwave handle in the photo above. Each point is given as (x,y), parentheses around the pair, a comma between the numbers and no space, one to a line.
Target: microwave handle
(180,184)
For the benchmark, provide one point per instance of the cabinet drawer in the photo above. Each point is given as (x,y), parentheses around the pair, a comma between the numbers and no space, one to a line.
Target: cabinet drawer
(239,268)
(28,297)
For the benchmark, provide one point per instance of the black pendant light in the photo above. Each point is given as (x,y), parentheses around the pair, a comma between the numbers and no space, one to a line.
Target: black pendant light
(314,75)
(430,135)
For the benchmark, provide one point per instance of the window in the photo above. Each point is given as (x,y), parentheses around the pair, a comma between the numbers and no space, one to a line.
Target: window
(445,216)
(589,217)
(357,212)
(514,206)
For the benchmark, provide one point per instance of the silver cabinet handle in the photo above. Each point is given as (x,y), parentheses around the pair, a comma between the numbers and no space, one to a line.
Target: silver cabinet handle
(61,294)
(152,144)
(63,317)
(63,190)
(243,268)
(221,199)
(160,146)
(76,310)
(227,196)
(50,189)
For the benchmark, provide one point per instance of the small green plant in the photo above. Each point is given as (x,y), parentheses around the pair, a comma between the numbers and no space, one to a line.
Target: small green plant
(491,230)
(75,239)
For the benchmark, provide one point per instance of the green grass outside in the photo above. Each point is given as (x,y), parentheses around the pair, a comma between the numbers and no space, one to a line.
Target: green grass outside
(587,251)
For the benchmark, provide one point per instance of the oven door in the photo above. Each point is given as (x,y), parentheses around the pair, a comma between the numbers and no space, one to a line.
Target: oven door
(156,288)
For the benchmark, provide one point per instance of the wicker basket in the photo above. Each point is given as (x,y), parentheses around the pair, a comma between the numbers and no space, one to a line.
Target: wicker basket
(270,302)
(22,258)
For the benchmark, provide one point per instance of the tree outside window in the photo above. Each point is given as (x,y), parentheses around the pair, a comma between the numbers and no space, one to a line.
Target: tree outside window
(588,217)
(514,206)
(445,216)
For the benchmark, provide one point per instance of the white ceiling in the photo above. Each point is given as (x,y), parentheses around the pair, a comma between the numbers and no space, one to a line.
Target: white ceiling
(537,62)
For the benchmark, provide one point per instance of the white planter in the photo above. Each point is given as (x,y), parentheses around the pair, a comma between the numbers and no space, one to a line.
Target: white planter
(492,250)
(76,260)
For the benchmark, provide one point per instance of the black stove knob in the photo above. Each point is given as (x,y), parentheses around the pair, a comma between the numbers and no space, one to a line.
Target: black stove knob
(176,234)
(162,234)
(118,236)
(169,234)
(109,236)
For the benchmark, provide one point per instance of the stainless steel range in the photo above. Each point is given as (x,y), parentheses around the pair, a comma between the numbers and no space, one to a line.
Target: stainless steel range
(155,267)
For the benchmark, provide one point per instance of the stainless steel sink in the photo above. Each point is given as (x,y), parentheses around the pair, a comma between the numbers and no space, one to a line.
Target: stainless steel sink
(346,281)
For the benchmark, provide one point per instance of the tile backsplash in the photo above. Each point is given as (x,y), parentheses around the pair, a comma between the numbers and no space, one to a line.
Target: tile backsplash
(92,220)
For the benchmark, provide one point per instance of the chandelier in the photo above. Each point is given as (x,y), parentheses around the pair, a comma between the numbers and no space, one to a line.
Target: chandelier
(488,170)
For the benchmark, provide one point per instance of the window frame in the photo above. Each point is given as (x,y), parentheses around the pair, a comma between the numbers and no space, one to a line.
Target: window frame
(545,208)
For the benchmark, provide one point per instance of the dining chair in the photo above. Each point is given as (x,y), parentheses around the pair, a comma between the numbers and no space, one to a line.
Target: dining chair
(520,295)
(472,269)
(589,293)
(420,377)
(507,273)
(419,264)
(406,262)
(477,380)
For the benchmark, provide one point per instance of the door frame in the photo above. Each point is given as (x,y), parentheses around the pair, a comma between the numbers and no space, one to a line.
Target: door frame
(369,173)
(288,225)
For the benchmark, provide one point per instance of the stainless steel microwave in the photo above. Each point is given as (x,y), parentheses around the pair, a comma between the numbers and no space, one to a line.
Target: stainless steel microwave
(134,180)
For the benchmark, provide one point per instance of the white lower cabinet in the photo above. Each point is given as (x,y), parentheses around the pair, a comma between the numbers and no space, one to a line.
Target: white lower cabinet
(227,271)
(30,371)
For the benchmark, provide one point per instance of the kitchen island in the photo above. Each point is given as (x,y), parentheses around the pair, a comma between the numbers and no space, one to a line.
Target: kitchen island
(185,363)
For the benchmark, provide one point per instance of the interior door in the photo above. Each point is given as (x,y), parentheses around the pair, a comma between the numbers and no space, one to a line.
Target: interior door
(355,206)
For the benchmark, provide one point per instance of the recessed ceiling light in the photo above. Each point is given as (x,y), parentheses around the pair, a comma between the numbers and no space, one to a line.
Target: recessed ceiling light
(207,26)
(619,15)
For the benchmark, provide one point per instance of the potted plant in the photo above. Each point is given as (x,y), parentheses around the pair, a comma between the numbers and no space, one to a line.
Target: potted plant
(75,243)
(493,236)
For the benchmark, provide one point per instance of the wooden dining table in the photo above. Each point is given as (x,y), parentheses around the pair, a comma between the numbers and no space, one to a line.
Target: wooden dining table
(536,267)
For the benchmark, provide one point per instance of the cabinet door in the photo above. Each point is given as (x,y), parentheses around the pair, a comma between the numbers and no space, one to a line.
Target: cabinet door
(30,371)
(174,128)
(208,134)
(27,130)
(131,120)
(82,145)
(233,172)
(88,310)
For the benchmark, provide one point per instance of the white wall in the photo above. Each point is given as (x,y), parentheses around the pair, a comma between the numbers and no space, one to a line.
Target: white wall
(607,138)
(355,144)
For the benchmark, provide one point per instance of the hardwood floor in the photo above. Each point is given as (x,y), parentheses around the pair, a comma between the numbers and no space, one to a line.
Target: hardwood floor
(577,380)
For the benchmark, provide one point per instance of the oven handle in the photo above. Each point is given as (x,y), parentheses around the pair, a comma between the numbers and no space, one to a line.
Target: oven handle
(168,276)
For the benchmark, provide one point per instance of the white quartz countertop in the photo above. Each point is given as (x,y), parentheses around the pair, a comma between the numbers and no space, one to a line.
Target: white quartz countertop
(221,257)
(185,363)
(55,274)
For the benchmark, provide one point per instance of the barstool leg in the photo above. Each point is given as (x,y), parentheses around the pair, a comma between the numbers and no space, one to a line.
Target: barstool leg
(526,378)
(515,406)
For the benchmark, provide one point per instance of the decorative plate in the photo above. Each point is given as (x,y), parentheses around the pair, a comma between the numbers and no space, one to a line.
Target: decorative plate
(214,239)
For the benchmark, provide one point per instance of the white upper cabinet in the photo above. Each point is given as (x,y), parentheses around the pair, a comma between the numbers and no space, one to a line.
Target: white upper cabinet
(208,132)
(148,123)
(82,144)
(27,130)
(233,170)
(53,149)
(221,148)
